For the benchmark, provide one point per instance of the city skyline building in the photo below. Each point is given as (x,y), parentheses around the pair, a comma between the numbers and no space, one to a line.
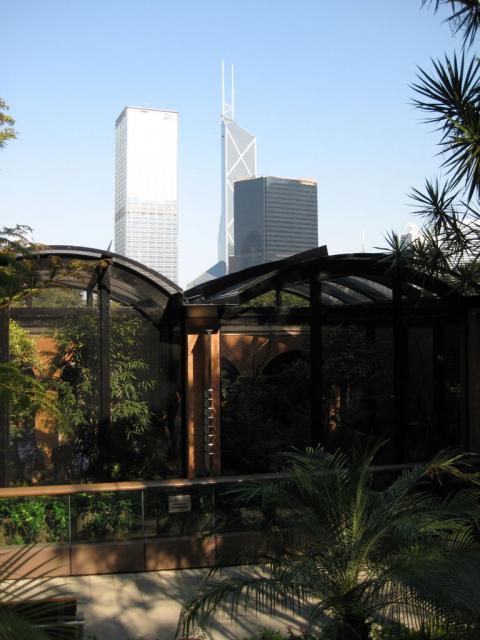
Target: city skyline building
(146,188)
(274,218)
(239,160)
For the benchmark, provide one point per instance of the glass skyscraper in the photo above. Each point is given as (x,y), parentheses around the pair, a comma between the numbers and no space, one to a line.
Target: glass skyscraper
(146,159)
(239,160)
(274,218)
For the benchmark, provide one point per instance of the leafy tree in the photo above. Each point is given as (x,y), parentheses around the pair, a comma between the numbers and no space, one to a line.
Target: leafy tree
(346,553)
(23,274)
(29,395)
(54,297)
(269,298)
(7,132)
(16,276)
(75,363)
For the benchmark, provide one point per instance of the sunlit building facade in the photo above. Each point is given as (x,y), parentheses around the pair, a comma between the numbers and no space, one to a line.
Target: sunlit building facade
(146,177)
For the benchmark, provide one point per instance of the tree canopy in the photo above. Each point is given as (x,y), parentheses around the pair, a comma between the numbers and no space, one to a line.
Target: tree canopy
(7,132)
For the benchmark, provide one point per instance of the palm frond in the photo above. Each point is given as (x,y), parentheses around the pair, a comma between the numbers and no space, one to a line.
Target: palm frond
(464,19)
(450,96)
(26,605)
(266,593)
(398,252)
(349,551)
(436,204)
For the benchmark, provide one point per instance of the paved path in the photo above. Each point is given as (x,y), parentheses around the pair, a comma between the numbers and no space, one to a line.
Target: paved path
(146,606)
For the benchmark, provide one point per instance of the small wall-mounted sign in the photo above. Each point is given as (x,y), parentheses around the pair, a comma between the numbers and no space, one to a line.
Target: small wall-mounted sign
(179,504)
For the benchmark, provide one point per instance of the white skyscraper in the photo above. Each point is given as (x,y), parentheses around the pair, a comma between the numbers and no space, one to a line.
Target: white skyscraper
(146,158)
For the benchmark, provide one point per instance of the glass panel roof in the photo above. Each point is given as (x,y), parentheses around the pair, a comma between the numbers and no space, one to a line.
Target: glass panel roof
(131,283)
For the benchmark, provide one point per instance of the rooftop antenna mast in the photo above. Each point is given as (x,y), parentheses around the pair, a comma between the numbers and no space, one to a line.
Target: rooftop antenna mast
(228,108)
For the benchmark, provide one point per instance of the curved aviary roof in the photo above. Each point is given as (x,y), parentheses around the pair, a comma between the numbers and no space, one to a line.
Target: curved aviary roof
(347,279)
(131,283)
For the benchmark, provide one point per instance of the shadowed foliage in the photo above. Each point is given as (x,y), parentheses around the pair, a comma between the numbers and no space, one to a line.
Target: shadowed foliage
(343,552)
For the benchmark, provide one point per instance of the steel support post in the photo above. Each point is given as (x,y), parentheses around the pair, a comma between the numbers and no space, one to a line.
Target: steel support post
(104,392)
(400,371)
(439,387)
(316,378)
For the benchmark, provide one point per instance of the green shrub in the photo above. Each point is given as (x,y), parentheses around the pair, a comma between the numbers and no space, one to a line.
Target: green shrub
(106,516)
(29,520)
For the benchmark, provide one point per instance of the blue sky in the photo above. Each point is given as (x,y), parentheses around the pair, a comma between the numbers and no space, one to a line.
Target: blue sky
(323,86)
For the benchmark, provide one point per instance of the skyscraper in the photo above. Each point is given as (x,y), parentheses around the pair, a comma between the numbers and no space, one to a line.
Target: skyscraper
(239,160)
(274,218)
(146,157)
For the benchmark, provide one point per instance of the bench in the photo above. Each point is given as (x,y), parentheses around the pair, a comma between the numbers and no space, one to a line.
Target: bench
(52,615)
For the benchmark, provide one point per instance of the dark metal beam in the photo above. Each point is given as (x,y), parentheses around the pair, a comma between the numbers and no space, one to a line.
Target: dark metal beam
(253,280)
(400,371)
(378,314)
(338,291)
(316,380)
(439,388)
(269,269)
(104,390)
(363,287)
(90,298)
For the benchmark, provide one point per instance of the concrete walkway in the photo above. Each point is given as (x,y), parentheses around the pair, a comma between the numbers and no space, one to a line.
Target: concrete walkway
(146,606)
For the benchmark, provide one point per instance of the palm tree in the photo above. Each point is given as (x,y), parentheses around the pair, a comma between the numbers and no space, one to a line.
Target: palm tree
(348,553)
(449,246)
(465,16)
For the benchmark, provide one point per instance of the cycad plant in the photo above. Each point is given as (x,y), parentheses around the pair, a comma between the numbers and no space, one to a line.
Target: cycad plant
(347,553)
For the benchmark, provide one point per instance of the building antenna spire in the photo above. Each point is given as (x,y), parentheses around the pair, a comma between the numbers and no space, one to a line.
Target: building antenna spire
(227,107)
(223,88)
(233,97)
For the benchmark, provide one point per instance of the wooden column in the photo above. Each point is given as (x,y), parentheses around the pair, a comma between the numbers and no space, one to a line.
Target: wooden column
(203,403)
(4,409)
(215,381)
(400,371)
(316,378)
(194,404)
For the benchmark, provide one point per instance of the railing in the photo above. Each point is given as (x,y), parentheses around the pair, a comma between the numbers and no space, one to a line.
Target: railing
(82,513)
(124,510)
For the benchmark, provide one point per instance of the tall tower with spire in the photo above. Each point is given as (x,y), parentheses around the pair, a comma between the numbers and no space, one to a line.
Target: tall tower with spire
(239,160)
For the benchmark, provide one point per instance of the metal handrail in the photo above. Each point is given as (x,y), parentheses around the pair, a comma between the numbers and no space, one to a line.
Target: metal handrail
(140,485)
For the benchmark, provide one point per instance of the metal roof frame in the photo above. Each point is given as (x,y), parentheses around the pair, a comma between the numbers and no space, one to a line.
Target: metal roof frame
(347,279)
(131,283)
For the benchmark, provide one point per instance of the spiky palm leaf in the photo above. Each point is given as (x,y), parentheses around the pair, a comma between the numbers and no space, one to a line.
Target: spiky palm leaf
(449,244)
(349,552)
(398,253)
(465,16)
(451,97)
